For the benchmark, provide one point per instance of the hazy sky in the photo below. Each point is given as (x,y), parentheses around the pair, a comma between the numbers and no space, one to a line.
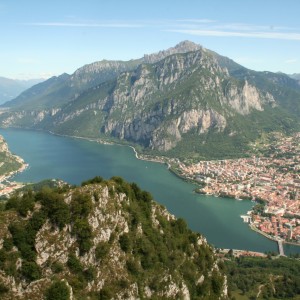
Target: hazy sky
(45,38)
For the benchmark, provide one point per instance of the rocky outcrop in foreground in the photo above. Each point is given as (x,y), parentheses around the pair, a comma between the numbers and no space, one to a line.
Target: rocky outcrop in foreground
(103,240)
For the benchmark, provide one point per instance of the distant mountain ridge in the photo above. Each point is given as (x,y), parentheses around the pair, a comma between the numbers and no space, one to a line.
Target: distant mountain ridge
(186,101)
(11,88)
(61,89)
(296,77)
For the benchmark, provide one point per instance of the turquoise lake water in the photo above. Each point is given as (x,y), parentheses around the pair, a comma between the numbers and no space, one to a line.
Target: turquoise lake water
(75,160)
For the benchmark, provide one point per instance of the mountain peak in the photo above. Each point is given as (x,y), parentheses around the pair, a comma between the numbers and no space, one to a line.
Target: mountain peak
(182,47)
(187,46)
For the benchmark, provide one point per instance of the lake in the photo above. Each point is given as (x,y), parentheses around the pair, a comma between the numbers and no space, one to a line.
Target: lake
(76,160)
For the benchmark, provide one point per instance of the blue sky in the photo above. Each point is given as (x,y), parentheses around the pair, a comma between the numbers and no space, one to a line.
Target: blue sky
(45,38)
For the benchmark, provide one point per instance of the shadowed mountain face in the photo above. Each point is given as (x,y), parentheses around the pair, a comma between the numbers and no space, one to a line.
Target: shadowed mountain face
(186,101)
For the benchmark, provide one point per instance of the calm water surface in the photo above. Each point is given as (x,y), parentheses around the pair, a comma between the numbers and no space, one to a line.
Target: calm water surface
(75,160)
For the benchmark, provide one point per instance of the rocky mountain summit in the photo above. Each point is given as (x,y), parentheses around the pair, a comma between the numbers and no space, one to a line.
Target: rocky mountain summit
(186,101)
(183,47)
(103,240)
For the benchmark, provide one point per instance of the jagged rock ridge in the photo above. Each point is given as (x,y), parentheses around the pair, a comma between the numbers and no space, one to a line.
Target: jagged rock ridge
(183,47)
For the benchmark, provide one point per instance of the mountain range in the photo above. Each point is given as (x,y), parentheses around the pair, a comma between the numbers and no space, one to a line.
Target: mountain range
(186,102)
(11,88)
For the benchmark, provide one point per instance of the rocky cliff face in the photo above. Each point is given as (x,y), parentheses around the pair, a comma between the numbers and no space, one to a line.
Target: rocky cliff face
(161,100)
(159,120)
(108,239)
(248,98)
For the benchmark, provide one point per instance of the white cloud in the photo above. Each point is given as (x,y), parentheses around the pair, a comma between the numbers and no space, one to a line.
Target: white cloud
(201,21)
(103,25)
(291,61)
(243,27)
(213,28)
(253,34)
(197,27)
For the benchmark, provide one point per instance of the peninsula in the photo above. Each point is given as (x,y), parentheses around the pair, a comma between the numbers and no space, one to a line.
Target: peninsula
(10,164)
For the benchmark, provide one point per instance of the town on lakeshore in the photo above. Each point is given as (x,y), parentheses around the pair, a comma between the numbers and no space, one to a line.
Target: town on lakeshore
(272,180)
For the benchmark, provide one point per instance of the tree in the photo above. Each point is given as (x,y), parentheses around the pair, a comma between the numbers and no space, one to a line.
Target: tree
(31,271)
(97,179)
(54,206)
(102,250)
(83,232)
(125,242)
(74,264)
(3,288)
(21,204)
(58,291)
(81,205)
(217,282)
(105,294)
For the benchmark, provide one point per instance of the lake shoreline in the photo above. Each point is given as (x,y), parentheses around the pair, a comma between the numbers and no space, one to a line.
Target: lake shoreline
(162,160)
(157,159)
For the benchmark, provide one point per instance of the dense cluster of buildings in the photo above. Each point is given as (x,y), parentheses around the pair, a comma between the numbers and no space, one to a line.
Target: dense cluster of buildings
(273,179)
(8,187)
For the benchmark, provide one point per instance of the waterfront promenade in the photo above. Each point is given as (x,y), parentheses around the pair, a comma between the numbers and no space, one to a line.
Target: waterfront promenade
(238,253)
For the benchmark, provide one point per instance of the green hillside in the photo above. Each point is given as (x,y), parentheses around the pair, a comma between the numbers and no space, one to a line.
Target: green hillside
(103,240)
